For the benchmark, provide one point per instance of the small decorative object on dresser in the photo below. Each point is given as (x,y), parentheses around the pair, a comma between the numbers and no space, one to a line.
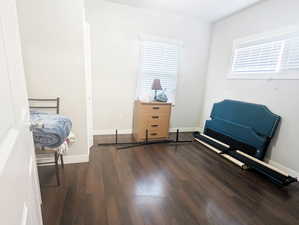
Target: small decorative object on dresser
(153,117)
(162,97)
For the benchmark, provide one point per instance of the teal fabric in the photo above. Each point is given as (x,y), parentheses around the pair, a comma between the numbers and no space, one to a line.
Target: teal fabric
(249,123)
(237,132)
(257,117)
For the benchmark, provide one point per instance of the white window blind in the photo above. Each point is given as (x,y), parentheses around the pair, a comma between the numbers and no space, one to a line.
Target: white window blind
(159,61)
(290,57)
(276,53)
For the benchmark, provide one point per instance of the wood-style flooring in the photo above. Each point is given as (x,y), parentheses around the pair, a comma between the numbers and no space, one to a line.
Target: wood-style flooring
(183,184)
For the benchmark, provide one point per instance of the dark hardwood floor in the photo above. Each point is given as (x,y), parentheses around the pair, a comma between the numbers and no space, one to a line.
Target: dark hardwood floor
(182,184)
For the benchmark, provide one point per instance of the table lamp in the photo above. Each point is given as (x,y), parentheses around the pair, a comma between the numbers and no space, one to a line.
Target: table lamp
(156,86)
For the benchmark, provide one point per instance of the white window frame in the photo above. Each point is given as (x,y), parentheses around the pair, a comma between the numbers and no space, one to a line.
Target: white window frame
(146,37)
(264,75)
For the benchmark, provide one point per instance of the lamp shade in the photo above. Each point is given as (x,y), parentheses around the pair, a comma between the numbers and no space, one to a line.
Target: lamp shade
(156,85)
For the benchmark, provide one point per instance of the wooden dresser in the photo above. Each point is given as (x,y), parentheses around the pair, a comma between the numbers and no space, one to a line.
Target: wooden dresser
(151,116)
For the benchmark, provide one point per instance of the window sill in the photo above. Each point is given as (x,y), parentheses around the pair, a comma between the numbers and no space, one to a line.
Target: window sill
(264,76)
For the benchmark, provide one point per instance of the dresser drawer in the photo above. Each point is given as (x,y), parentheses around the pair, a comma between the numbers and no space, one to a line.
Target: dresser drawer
(158,131)
(157,134)
(157,121)
(154,134)
(155,109)
(158,125)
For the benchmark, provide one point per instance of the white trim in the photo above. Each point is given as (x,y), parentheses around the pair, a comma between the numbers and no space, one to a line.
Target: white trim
(273,75)
(24,214)
(111,131)
(147,96)
(68,159)
(129,131)
(7,145)
(262,76)
(9,139)
(30,168)
(185,129)
(290,171)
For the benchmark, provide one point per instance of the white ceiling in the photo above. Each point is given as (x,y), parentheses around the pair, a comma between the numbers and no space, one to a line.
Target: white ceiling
(210,10)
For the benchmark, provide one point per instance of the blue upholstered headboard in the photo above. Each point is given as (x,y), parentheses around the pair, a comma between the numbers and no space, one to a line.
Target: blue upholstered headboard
(251,124)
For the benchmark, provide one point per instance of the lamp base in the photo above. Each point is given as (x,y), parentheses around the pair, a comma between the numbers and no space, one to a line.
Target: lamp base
(155,98)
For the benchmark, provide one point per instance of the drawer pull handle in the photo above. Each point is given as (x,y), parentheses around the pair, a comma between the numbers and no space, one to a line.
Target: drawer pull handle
(155,117)
(153,134)
(155,125)
(155,107)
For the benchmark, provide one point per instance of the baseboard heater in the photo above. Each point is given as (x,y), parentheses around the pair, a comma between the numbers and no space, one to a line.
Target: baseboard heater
(241,132)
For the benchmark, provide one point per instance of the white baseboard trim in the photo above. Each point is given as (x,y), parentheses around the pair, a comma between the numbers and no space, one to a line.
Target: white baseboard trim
(111,131)
(284,168)
(68,159)
(129,131)
(185,129)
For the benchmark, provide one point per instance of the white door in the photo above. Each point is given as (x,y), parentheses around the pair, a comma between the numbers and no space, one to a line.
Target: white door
(19,186)
(88,83)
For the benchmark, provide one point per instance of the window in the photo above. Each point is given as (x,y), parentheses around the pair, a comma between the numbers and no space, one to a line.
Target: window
(274,55)
(159,60)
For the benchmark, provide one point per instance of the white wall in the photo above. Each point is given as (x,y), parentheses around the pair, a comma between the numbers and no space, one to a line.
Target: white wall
(115,29)
(281,96)
(53,52)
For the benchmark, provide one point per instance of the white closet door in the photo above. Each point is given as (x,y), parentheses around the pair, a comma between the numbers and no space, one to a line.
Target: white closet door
(20,194)
(88,77)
